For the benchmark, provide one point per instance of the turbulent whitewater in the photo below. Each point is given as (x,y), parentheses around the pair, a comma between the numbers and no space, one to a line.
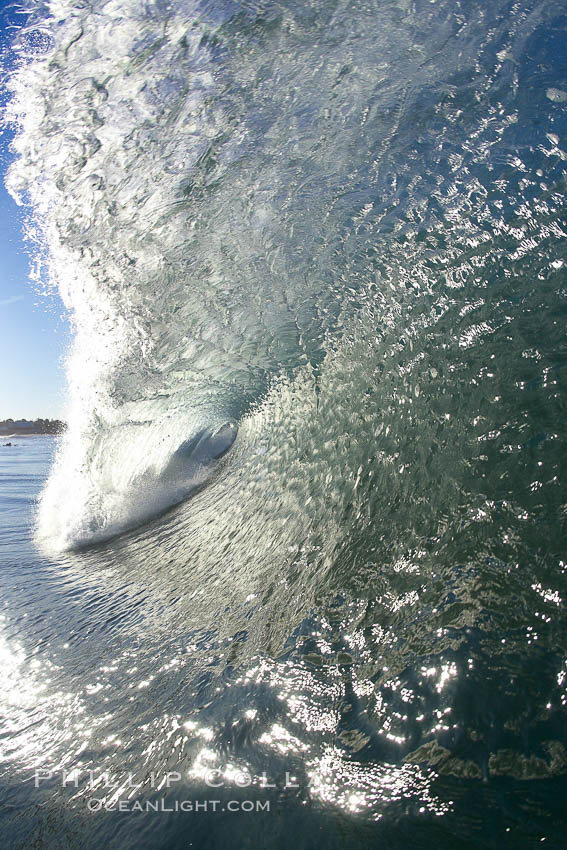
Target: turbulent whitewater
(335,230)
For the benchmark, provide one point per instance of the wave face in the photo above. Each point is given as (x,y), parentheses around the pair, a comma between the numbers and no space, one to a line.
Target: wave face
(342,227)
(223,189)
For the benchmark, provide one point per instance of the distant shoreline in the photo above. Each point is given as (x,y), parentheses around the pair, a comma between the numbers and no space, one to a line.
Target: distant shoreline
(29,434)
(31,428)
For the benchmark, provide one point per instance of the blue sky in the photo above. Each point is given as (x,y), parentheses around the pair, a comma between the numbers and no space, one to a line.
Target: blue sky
(34,332)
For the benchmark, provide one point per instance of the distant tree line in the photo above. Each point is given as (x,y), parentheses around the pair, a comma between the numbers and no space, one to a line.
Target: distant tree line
(26,426)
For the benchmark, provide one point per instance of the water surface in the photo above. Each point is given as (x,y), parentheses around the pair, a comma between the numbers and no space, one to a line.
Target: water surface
(342,226)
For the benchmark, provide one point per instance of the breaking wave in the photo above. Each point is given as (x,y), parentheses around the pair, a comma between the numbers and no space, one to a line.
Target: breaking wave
(228,194)
(314,257)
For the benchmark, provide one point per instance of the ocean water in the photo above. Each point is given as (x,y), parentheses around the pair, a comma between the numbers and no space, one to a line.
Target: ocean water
(340,226)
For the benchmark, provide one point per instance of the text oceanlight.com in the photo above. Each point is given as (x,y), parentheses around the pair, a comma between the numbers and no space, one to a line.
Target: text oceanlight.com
(95,804)
(113,793)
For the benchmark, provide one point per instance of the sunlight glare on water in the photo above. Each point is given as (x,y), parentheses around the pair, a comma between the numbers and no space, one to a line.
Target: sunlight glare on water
(341,227)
